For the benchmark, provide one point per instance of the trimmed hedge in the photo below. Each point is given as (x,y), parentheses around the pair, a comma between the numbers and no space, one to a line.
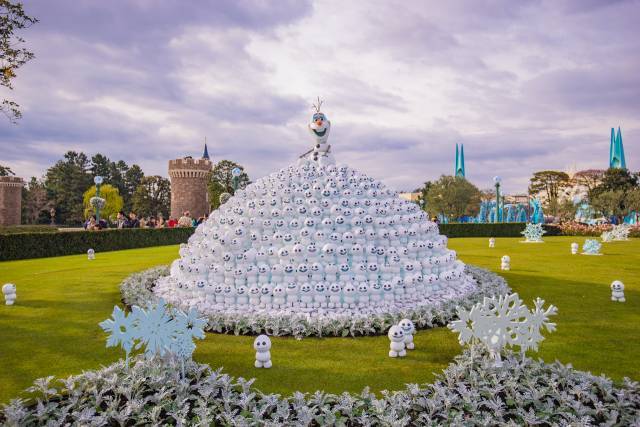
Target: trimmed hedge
(39,245)
(506,229)
(46,244)
(13,229)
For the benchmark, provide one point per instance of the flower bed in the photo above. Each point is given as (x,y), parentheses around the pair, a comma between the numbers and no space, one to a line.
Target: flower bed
(137,290)
(470,391)
(577,229)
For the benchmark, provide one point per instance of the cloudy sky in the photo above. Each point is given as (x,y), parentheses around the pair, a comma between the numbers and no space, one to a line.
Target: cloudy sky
(524,85)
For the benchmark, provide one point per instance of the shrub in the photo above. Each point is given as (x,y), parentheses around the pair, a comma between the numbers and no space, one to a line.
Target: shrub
(37,245)
(470,391)
(28,229)
(505,229)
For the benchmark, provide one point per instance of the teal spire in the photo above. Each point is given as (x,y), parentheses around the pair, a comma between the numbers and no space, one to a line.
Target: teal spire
(460,161)
(616,151)
(205,155)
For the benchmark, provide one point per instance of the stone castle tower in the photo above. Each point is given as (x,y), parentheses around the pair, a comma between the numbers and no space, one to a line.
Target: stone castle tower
(10,200)
(189,185)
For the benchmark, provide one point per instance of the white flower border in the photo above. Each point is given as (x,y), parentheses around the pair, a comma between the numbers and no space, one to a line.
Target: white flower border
(470,391)
(137,290)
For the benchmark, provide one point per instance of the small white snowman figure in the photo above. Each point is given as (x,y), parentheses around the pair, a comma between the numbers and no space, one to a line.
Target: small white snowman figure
(408,329)
(505,263)
(617,291)
(91,254)
(492,242)
(9,291)
(574,248)
(262,345)
(396,346)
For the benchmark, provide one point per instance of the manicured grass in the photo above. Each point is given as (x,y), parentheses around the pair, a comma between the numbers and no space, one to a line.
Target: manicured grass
(53,329)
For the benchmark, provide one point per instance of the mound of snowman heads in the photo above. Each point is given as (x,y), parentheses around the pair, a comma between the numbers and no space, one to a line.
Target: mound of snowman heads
(319,240)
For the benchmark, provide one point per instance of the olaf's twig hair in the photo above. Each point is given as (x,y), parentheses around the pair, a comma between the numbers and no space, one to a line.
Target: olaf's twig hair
(318,105)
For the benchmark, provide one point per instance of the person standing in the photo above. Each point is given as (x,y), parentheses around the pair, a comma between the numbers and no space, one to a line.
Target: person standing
(121,220)
(133,220)
(185,220)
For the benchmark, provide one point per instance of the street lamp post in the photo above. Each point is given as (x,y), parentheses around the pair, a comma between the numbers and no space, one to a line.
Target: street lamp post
(497,180)
(98,181)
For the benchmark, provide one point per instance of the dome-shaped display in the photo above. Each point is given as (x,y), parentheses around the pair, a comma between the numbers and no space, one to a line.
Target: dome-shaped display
(315,239)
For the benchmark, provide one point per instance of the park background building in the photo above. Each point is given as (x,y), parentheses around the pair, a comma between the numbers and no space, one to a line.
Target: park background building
(10,200)
(189,178)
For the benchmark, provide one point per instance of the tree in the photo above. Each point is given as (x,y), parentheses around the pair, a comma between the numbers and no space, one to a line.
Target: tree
(567,210)
(153,196)
(66,182)
(112,197)
(132,179)
(6,171)
(589,178)
(422,197)
(35,202)
(551,183)
(12,56)
(633,200)
(221,181)
(617,179)
(611,203)
(453,197)
(101,166)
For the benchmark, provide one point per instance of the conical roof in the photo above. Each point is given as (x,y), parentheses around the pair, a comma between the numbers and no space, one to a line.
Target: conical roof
(315,239)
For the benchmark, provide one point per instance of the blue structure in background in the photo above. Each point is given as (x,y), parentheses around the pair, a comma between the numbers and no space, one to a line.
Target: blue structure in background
(616,151)
(537,217)
(512,212)
(459,161)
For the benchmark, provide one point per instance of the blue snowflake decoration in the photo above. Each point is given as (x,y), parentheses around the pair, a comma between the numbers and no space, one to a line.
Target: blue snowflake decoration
(533,232)
(158,329)
(122,330)
(591,247)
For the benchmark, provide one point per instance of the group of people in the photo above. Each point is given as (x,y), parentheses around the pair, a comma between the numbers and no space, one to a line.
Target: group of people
(132,221)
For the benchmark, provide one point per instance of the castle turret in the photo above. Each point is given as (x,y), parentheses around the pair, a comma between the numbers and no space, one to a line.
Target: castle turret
(189,186)
(10,200)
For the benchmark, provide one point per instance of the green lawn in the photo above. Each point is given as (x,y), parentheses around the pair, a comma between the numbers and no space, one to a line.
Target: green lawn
(53,329)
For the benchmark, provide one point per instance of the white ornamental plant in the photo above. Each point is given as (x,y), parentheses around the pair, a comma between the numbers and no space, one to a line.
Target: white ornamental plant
(160,330)
(533,233)
(619,232)
(503,321)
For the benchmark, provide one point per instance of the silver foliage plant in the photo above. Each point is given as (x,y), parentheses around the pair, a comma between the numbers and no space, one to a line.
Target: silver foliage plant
(470,391)
(136,290)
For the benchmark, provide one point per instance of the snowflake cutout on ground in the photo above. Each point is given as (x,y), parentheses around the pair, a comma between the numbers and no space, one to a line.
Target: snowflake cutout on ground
(619,232)
(158,329)
(533,232)
(591,247)
(503,321)
(122,330)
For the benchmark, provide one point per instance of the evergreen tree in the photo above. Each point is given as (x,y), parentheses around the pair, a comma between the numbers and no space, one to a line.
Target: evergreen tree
(66,182)
(153,196)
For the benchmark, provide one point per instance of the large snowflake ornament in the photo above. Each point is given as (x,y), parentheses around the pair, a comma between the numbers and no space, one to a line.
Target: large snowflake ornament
(533,233)
(503,321)
(591,247)
(619,232)
(158,329)
(122,330)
